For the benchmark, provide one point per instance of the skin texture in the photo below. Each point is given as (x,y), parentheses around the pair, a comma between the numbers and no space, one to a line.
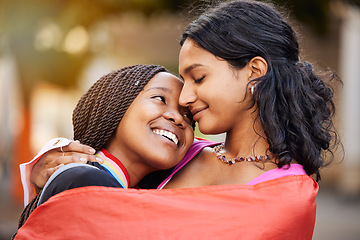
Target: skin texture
(218,96)
(212,89)
(54,159)
(220,103)
(156,108)
(140,149)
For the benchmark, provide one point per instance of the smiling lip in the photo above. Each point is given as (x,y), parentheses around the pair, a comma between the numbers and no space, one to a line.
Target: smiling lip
(167,134)
(196,112)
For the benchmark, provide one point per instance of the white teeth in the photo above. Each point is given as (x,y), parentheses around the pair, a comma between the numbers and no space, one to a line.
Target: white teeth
(167,134)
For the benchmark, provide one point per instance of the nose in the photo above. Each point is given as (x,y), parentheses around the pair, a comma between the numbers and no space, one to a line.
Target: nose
(175,117)
(187,95)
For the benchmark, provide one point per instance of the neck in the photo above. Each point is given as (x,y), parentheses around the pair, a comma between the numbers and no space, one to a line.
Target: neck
(114,167)
(246,141)
(132,163)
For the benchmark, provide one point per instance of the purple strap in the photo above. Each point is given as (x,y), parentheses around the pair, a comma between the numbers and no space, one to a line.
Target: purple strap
(195,148)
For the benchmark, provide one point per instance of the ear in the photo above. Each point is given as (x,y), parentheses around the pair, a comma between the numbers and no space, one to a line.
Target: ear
(258,66)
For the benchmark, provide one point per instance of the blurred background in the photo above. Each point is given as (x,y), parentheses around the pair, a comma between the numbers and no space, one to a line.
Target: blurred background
(52,51)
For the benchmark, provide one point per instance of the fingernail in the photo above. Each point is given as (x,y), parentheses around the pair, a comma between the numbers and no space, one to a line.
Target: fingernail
(99,160)
(83,159)
(92,150)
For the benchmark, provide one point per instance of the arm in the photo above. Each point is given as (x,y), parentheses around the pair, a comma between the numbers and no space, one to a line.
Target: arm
(35,173)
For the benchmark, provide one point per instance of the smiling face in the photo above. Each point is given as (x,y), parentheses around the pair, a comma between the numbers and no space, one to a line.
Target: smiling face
(213,90)
(155,132)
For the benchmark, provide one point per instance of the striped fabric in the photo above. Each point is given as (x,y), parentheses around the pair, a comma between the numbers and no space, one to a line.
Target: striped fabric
(114,167)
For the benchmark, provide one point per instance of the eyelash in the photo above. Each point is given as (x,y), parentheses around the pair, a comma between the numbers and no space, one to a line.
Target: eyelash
(199,80)
(187,115)
(159,97)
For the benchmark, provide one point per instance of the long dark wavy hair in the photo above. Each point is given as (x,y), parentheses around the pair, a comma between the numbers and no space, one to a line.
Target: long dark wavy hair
(100,110)
(295,104)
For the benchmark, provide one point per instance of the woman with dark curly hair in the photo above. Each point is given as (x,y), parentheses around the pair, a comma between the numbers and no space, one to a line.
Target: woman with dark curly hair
(242,76)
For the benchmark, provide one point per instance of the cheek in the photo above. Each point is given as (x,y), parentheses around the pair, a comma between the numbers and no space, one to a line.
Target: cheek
(149,111)
(189,134)
(137,121)
(223,97)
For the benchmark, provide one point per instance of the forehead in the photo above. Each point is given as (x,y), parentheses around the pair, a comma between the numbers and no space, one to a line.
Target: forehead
(192,56)
(190,47)
(166,81)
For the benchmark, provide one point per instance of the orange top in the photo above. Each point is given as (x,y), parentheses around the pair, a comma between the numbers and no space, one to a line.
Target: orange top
(282,208)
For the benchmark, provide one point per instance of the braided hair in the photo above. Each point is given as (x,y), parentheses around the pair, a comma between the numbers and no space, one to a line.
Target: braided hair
(100,110)
(295,104)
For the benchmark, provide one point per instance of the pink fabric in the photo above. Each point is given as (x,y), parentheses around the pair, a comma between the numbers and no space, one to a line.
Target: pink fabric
(280,209)
(196,147)
(294,169)
(200,144)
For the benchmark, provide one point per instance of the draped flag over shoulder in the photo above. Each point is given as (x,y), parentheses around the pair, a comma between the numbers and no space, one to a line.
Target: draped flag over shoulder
(283,208)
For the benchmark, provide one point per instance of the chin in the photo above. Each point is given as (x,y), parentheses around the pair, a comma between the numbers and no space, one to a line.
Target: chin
(165,163)
(209,130)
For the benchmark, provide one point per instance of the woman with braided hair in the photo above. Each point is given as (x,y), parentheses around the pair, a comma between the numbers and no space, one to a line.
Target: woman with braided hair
(242,76)
(124,116)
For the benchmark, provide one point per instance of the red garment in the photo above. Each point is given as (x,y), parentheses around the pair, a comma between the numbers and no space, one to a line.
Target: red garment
(283,208)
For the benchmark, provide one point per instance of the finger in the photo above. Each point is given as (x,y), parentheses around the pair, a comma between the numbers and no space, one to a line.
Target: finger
(76,146)
(50,171)
(84,157)
(77,158)
(92,158)
(70,159)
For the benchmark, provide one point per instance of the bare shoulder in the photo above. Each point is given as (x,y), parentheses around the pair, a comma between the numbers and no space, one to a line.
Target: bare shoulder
(205,170)
(193,174)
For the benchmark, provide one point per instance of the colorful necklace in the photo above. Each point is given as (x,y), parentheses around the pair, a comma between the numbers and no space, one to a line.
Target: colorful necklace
(217,149)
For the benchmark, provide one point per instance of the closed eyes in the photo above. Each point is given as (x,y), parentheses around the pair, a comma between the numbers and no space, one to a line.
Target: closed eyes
(199,80)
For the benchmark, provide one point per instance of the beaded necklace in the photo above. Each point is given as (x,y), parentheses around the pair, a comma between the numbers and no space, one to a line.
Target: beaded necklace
(232,161)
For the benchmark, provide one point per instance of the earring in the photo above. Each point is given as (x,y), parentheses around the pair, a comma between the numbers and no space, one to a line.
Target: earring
(252,89)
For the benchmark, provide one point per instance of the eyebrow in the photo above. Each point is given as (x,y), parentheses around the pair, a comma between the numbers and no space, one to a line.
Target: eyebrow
(191,67)
(159,88)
